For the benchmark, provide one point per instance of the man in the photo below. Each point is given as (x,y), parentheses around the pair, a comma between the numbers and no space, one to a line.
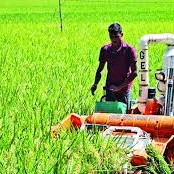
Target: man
(121,66)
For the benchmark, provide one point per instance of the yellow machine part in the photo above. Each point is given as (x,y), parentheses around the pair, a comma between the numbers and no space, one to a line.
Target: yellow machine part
(67,122)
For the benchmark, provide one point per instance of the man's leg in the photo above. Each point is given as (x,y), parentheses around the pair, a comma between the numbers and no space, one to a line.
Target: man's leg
(110,96)
(129,96)
(121,98)
(125,98)
(113,96)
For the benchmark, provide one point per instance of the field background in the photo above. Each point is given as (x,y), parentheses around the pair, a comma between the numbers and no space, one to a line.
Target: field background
(46,74)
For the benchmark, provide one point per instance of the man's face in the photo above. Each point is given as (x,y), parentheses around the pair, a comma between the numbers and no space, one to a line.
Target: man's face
(115,38)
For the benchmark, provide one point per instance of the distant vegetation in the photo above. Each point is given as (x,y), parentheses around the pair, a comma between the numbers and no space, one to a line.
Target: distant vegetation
(46,74)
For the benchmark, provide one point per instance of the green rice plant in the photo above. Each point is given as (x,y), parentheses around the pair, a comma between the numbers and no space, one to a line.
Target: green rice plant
(157,164)
(91,154)
(46,74)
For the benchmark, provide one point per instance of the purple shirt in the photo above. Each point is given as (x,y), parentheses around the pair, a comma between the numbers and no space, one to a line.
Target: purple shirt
(119,63)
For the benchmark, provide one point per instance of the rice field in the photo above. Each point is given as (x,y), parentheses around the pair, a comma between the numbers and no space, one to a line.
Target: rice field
(46,74)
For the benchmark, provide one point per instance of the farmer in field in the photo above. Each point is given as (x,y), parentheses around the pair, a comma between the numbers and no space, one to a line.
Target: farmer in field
(121,66)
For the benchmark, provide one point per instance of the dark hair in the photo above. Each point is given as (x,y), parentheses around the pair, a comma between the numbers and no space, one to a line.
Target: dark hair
(115,28)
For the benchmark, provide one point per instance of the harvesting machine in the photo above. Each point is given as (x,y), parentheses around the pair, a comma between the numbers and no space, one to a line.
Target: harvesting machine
(150,120)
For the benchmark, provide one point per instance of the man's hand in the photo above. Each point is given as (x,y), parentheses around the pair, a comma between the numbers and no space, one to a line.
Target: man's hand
(115,88)
(93,88)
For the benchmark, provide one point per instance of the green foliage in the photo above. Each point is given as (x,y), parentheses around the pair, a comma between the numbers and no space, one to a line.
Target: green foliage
(46,74)
(80,152)
(157,164)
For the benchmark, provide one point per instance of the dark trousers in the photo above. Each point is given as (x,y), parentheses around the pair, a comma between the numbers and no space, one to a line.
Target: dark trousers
(120,97)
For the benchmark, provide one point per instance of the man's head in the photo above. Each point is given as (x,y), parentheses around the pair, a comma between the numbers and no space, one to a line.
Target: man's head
(115,33)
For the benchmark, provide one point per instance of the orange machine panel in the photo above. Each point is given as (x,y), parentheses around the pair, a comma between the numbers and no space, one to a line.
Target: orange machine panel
(157,125)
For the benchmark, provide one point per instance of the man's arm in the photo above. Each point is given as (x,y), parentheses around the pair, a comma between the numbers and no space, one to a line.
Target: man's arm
(97,77)
(98,74)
